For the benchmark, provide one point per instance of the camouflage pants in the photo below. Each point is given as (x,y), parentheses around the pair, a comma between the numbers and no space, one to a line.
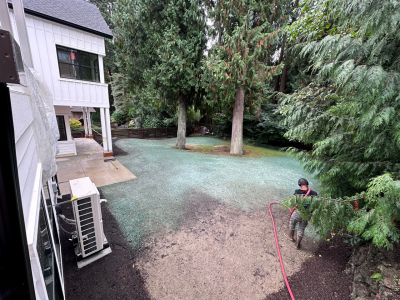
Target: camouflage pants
(296,218)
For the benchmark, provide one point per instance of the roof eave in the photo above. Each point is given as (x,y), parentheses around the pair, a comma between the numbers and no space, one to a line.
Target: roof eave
(50,18)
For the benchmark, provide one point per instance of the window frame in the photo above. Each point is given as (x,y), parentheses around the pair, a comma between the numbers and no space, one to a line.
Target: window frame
(79,64)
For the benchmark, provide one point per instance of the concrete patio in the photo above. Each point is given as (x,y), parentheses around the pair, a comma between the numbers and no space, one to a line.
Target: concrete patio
(89,162)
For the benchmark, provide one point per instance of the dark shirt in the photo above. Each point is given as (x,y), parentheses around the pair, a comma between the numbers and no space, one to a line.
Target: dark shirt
(303,192)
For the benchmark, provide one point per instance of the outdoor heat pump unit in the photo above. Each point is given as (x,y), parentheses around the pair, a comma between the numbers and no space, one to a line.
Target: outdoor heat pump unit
(90,242)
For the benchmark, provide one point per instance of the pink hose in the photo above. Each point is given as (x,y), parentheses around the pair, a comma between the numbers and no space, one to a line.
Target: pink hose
(277,247)
(276,240)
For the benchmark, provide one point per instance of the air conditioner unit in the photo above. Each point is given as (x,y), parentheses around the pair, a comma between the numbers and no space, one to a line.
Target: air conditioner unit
(85,199)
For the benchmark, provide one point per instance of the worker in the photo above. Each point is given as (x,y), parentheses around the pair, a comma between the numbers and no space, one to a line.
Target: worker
(296,217)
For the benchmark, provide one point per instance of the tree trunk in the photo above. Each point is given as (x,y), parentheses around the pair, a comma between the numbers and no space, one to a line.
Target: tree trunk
(279,61)
(237,123)
(181,135)
(277,79)
(284,79)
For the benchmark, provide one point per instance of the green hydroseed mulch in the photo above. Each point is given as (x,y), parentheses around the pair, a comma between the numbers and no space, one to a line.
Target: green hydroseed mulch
(166,177)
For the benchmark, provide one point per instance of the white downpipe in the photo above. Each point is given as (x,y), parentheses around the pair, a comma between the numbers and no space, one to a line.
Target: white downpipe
(104,129)
(108,124)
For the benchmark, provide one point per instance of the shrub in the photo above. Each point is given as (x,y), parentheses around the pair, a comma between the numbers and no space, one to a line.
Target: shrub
(74,124)
(96,115)
(119,116)
(152,122)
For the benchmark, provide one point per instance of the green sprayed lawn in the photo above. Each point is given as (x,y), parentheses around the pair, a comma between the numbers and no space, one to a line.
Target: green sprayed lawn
(248,151)
(168,180)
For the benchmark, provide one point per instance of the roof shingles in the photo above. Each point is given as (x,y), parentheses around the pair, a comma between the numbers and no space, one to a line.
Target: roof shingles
(76,13)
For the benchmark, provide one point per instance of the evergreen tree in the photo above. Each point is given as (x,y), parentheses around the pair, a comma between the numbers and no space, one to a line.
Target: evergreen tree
(238,67)
(163,44)
(351,114)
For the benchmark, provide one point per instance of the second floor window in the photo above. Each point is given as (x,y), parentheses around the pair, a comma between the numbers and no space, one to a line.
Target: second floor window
(79,65)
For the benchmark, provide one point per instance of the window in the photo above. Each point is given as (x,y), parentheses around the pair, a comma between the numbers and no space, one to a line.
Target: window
(61,128)
(45,251)
(76,64)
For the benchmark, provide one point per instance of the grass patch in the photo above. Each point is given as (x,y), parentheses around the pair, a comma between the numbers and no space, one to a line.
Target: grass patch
(224,149)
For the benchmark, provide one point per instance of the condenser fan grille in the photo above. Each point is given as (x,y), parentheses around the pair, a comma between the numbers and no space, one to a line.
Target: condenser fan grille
(87,225)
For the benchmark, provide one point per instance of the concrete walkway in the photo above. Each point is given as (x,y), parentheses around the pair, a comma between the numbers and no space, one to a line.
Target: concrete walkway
(89,162)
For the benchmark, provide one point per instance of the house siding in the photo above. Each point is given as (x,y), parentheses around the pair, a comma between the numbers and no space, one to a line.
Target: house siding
(25,144)
(44,35)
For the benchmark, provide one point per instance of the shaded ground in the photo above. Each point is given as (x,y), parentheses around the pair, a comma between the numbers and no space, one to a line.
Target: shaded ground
(321,277)
(111,277)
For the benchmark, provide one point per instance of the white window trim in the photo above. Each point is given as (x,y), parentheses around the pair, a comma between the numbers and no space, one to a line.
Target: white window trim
(82,81)
(80,48)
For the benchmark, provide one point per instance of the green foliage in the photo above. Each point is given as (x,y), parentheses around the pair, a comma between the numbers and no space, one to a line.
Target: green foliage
(350,114)
(152,122)
(161,45)
(121,95)
(241,58)
(265,130)
(96,115)
(192,115)
(259,131)
(74,124)
(378,277)
(119,116)
(352,239)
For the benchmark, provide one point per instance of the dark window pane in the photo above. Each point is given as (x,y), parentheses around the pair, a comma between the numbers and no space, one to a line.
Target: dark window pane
(79,65)
(61,128)
(90,74)
(67,55)
(69,71)
(89,60)
(45,251)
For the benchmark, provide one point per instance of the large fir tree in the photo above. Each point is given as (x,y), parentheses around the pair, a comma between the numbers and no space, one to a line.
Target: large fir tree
(351,114)
(238,68)
(164,43)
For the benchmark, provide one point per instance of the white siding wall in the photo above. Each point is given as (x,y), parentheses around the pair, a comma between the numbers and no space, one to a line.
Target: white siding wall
(43,37)
(25,144)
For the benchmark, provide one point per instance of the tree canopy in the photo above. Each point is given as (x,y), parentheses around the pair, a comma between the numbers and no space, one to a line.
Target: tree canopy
(350,113)
(339,88)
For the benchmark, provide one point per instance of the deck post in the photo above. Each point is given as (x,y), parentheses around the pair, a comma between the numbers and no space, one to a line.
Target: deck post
(104,129)
(85,121)
(89,122)
(109,133)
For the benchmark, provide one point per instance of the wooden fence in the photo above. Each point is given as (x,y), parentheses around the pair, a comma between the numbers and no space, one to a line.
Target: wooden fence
(146,133)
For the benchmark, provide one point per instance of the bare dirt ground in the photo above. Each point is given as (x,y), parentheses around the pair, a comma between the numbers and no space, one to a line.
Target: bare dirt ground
(216,251)
(220,252)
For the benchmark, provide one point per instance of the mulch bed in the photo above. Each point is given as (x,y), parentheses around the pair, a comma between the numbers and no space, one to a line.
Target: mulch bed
(322,277)
(111,277)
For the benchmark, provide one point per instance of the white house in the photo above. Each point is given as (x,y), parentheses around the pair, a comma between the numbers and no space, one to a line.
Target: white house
(62,46)
(67,45)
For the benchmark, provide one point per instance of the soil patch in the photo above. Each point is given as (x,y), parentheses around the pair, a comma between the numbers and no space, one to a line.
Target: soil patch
(219,252)
(321,277)
(224,149)
(111,277)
